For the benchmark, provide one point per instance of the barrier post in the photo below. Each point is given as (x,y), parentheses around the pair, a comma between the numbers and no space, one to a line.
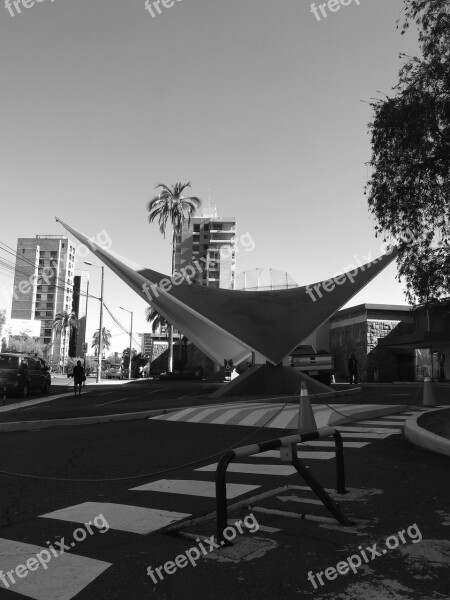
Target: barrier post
(340,470)
(319,491)
(221,494)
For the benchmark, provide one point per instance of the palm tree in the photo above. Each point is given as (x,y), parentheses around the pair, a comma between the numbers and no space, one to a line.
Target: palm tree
(157,321)
(106,339)
(171,206)
(65,321)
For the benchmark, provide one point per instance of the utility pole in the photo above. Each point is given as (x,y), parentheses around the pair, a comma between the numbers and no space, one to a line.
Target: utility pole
(131,337)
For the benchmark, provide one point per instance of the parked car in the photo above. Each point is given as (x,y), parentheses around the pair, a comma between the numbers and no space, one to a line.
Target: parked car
(22,374)
(113,372)
(181,375)
(319,365)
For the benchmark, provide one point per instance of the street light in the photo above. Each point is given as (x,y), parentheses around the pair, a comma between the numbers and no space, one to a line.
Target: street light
(100,331)
(131,335)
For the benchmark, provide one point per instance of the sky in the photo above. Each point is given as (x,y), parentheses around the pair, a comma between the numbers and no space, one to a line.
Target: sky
(264,108)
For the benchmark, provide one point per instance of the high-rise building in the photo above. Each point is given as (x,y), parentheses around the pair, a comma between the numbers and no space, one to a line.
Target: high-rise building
(208,241)
(43,285)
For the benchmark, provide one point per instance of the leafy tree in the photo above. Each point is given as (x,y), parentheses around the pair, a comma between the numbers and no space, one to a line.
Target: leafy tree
(106,339)
(2,320)
(409,189)
(65,322)
(90,367)
(170,206)
(25,343)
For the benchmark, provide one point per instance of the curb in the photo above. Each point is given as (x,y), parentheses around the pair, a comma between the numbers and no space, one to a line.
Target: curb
(30,425)
(334,394)
(425,439)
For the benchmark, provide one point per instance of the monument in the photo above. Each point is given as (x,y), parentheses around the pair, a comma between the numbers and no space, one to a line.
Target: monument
(233,324)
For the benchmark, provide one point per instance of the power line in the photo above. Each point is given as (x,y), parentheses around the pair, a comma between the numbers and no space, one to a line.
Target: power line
(21,270)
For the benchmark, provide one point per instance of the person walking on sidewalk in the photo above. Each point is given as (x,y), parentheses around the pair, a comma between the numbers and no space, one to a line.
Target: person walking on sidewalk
(353,369)
(78,377)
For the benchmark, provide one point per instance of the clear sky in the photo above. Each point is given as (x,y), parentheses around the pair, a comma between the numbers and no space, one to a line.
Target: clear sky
(256,100)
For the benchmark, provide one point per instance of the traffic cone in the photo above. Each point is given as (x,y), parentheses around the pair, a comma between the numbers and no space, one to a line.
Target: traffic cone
(306,420)
(428,393)
(333,380)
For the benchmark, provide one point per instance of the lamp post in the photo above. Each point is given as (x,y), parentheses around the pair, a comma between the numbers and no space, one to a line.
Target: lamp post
(131,336)
(100,331)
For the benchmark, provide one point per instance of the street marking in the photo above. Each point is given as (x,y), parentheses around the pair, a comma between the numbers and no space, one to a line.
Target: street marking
(194,487)
(187,395)
(302,500)
(268,529)
(361,436)
(286,419)
(65,577)
(368,429)
(226,416)
(328,444)
(311,455)
(396,423)
(123,517)
(282,470)
(278,416)
(112,402)
(265,528)
(27,403)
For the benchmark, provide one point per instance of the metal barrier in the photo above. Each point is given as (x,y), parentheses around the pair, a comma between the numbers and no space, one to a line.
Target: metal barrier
(290,441)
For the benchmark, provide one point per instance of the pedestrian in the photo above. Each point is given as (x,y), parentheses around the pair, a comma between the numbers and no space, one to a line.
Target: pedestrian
(353,369)
(78,377)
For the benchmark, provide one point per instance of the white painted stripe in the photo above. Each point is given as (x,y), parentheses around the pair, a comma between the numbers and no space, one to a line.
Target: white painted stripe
(226,416)
(111,402)
(268,529)
(123,517)
(396,423)
(308,455)
(367,429)
(27,403)
(190,487)
(204,414)
(328,444)
(283,419)
(65,577)
(254,416)
(282,470)
(178,416)
(265,528)
(301,500)
(368,436)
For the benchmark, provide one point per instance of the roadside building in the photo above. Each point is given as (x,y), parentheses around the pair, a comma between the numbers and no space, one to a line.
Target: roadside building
(427,342)
(43,285)
(359,330)
(209,241)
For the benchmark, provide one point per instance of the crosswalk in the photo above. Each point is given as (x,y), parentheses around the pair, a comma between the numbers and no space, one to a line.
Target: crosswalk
(270,415)
(66,576)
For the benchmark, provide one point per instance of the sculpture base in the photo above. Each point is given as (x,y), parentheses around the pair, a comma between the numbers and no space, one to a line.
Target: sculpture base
(267,380)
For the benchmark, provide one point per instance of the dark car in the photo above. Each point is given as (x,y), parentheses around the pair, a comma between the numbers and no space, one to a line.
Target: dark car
(22,374)
(181,375)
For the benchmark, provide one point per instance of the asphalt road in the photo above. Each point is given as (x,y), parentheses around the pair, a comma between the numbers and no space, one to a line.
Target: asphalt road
(145,395)
(393,487)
